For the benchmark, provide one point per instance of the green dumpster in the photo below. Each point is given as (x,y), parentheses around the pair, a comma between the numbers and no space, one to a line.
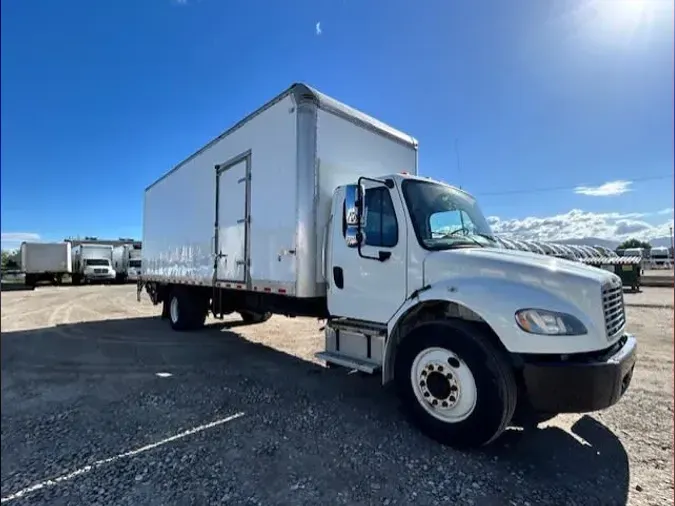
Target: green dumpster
(629,269)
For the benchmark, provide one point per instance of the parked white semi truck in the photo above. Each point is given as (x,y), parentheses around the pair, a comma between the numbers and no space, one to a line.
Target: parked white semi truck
(308,207)
(92,263)
(45,261)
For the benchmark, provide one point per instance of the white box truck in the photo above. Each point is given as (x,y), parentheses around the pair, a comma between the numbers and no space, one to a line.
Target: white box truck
(308,207)
(93,263)
(134,256)
(45,261)
(126,262)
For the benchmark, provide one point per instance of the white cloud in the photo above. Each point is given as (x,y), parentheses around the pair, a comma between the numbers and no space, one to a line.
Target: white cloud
(317,28)
(12,240)
(605,190)
(667,210)
(578,224)
(19,236)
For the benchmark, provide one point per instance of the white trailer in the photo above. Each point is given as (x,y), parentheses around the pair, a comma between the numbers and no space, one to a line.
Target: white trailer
(92,263)
(45,261)
(302,209)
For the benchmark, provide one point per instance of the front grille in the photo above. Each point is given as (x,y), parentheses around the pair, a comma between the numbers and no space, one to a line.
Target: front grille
(615,316)
(100,271)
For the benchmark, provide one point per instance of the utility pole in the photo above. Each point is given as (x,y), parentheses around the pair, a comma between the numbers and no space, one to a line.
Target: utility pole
(672,242)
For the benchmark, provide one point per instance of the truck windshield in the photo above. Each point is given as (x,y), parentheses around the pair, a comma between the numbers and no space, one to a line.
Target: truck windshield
(134,263)
(445,218)
(97,262)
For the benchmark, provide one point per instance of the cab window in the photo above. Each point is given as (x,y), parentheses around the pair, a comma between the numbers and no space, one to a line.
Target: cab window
(381,229)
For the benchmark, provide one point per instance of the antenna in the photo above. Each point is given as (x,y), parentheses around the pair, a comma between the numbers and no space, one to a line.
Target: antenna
(459,167)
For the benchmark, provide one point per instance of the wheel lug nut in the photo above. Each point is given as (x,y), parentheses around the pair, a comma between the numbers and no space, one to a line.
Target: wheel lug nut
(422,383)
(444,404)
(434,402)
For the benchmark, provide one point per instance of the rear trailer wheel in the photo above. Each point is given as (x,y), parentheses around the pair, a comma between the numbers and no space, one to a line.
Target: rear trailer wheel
(252,317)
(455,385)
(186,311)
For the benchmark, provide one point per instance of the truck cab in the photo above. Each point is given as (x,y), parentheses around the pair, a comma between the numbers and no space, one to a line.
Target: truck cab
(419,289)
(134,269)
(93,263)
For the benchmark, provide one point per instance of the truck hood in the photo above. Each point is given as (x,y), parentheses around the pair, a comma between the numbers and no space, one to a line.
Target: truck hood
(507,263)
(497,282)
(579,284)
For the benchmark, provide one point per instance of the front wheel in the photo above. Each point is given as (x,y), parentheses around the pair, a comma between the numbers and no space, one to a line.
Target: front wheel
(455,385)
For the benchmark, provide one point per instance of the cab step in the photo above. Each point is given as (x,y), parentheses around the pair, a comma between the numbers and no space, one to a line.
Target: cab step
(360,364)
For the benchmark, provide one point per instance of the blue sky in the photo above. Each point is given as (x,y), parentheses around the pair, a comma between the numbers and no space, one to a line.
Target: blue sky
(101,98)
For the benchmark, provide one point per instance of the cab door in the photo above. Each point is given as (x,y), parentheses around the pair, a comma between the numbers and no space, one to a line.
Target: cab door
(370,286)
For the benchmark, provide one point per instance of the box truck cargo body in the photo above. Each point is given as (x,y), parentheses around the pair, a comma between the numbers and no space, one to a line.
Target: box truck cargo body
(45,261)
(268,186)
(92,263)
(308,207)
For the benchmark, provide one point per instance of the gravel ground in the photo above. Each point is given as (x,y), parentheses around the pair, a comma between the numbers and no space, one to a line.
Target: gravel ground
(650,297)
(103,404)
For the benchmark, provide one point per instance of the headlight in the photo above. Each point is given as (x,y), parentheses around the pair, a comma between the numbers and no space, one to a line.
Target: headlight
(541,321)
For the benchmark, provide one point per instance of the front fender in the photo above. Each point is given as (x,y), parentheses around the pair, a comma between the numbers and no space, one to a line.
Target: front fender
(496,301)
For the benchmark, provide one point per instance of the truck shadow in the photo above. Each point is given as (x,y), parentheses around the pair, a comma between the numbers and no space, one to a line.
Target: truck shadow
(591,459)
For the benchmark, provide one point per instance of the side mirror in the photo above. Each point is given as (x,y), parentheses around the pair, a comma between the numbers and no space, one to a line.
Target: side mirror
(354,214)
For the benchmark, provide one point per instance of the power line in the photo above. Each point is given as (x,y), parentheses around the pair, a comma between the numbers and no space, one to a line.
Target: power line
(559,188)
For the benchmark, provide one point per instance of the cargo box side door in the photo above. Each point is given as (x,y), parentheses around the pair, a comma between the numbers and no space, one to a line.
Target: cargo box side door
(232,219)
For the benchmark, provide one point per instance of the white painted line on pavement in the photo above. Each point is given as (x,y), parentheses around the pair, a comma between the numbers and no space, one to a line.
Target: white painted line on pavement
(83,470)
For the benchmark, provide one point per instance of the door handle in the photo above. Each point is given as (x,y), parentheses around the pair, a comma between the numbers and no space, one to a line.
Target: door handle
(338,277)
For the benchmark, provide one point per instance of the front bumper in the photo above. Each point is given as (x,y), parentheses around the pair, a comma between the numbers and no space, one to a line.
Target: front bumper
(581,384)
(100,277)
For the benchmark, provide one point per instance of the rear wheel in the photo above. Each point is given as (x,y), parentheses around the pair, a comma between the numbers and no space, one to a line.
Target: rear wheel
(455,385)
(186,311)
(75,279)
(30,280)
(253,317)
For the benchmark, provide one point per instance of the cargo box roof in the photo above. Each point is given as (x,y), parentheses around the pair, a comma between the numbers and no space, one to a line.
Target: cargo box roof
(302,92)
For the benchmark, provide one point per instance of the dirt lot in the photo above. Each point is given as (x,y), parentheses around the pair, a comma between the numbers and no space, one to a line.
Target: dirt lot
(103,404)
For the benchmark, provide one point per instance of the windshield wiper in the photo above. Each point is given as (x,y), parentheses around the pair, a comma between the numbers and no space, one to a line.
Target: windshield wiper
(486,236)
(452,234)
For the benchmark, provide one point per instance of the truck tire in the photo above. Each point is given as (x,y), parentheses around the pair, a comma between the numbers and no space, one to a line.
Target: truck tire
(30,280)
(252,317)
(75,279)
(186,312)
(455,385)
